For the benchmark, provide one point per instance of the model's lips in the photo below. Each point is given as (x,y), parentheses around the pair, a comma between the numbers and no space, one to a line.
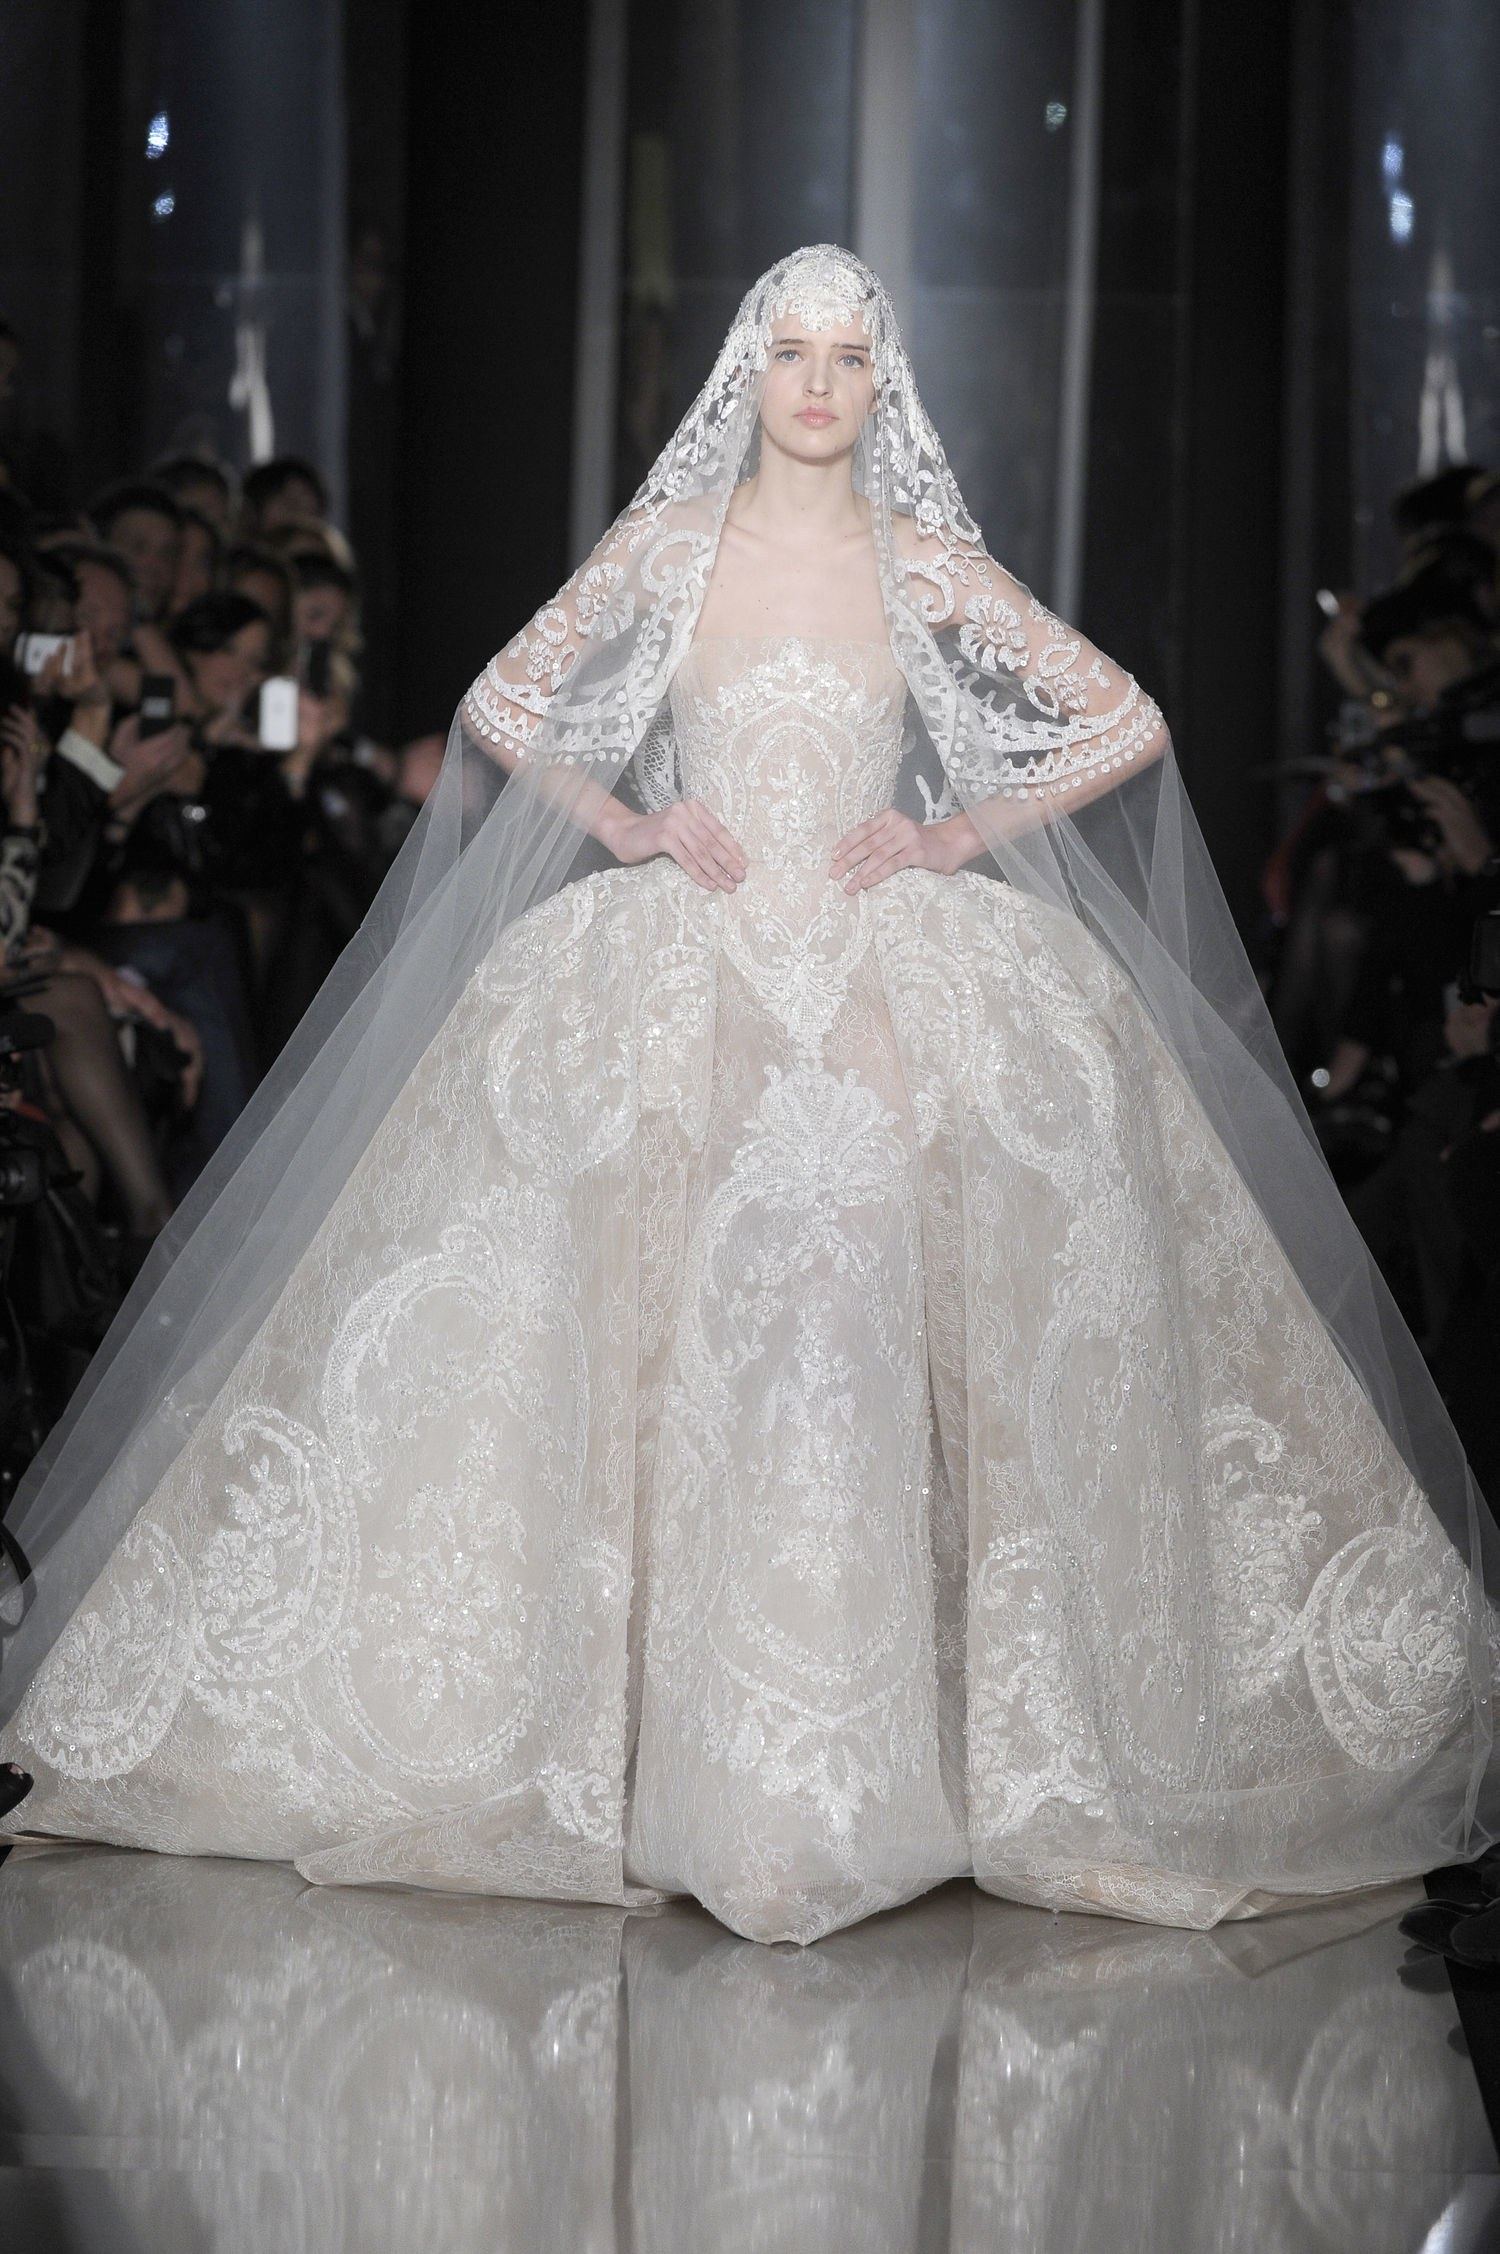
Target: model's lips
(815,415)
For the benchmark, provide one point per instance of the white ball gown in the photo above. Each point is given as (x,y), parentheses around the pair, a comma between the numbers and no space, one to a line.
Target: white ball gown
(795,1403)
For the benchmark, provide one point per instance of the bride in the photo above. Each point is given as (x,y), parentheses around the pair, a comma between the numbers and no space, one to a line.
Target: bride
(780,1334)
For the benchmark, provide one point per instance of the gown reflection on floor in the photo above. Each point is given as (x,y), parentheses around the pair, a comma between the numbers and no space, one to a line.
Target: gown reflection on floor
(209,2054)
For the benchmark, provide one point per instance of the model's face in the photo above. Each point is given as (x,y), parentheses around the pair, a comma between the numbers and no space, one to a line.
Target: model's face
(103,610)
(225,678)
(149,545)
(820,386)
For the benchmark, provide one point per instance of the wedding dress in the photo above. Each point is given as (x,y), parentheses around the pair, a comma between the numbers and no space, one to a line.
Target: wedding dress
(793,1400)
(644,1452)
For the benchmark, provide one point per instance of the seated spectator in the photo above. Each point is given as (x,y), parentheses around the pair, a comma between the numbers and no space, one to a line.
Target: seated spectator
(1405,1209)
(419,764)
(15,589)
(1434,802)
(296,537)
(350,824)
(73,708)
(266,578)
(202,856)
(23,749)
(200,559)
(1436,504)
(90,1097)
(326,608)
(144,522)
(324,604)
(106,594)
(222,815)
(275,491)
(1437,623)
(198,482)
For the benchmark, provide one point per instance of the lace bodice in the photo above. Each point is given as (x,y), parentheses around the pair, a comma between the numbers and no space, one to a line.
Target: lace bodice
(788,739)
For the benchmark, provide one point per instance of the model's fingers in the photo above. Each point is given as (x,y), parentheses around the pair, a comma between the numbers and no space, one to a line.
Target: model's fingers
(879,865)
(715,835)
(718,848)
(728,841)
(861,834)
(881,835)
(689,859)
(717,856)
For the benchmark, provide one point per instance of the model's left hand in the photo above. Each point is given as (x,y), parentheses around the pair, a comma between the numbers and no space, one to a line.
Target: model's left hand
(889,841)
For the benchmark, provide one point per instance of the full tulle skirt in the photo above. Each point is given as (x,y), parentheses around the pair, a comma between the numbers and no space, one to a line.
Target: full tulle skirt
(791,1407)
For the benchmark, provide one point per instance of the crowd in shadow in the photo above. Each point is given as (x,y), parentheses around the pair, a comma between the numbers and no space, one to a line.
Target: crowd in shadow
(194,824)
(1382,932)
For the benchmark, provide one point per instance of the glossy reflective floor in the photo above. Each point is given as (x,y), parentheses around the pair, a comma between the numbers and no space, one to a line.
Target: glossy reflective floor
(204,2054)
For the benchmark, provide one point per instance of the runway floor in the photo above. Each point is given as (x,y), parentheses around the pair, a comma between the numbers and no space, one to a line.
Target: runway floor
(211,2054)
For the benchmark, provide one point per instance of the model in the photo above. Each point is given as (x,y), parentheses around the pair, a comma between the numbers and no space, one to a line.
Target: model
(782,1335)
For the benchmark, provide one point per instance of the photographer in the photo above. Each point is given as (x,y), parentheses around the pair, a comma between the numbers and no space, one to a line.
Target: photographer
(351,822)
(89,1095)
(103,611)
(1426,789)
(201,857)
(1466,1239)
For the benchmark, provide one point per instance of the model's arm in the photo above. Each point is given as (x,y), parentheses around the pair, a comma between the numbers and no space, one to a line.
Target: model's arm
(506,705)
(505,709)
(1079,726)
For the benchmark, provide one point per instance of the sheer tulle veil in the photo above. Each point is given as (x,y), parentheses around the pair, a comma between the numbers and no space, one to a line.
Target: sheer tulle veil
(1067,771)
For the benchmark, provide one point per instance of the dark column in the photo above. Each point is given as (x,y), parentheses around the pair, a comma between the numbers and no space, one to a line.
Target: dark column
(1185,528)
(376,36)
(42,46)
(494,161)
(1132,580)
(1230,511)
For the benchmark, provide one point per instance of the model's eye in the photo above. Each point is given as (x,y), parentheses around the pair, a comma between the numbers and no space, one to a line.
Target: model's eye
(787,351)
(853,360)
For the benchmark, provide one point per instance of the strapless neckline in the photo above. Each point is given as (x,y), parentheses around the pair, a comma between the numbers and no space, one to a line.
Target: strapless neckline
(806,641)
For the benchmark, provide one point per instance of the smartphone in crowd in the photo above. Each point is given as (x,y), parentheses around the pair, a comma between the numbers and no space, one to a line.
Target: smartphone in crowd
(158,692)
(317,668)
(33,650)
(278,714)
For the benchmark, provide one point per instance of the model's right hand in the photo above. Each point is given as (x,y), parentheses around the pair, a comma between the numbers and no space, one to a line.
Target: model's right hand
(696,839)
